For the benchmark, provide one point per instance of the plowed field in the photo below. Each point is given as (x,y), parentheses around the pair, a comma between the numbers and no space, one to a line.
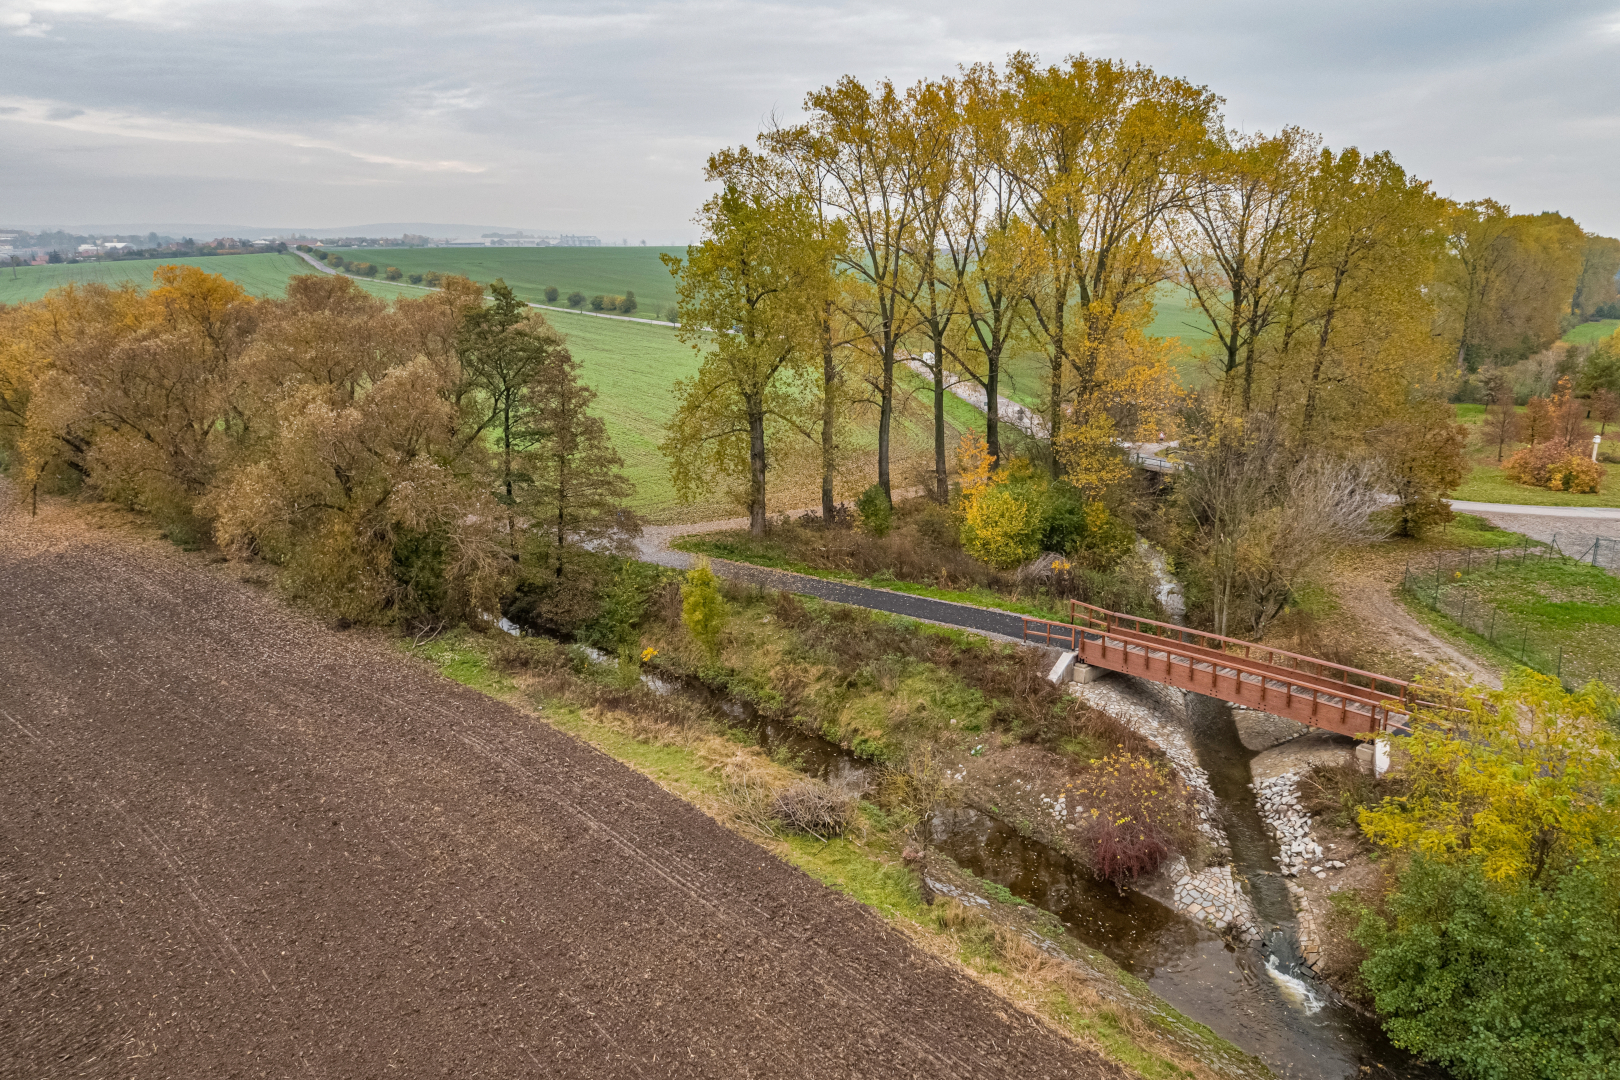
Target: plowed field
(233,843)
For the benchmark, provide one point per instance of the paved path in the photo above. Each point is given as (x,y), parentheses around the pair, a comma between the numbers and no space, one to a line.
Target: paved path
(235,843)
(1001,625)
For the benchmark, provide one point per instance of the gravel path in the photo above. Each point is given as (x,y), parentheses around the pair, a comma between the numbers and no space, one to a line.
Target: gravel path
(1573,527)
(233,843)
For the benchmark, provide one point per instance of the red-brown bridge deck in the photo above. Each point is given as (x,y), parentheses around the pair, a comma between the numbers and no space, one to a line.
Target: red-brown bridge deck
(1315,692)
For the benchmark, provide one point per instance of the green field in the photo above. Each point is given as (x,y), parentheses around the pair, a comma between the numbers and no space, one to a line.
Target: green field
(1592,332)
(633,368)
(608,271)
(261,275)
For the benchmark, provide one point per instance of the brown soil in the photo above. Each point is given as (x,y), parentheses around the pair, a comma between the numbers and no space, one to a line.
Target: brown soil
(1378,630)
(233,843)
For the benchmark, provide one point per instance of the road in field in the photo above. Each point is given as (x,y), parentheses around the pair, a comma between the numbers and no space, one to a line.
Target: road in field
(233,843)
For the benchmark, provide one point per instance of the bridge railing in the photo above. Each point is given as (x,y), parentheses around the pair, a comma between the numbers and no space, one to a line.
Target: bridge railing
(1354,680)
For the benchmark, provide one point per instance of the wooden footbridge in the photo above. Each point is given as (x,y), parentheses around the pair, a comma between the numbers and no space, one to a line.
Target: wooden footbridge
(1315,692)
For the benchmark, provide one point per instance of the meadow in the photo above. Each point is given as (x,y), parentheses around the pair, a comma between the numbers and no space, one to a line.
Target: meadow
(592,271)
(1486,481)
(261,275)
(1593,332)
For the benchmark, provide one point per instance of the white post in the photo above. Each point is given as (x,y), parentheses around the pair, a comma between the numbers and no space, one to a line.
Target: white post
(1380,757)
(1595,440)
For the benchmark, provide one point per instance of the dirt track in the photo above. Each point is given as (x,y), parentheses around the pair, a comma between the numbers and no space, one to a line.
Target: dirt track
(235,844)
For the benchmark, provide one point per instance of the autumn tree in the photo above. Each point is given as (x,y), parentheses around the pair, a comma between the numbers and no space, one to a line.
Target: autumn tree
(1595,287)
(1510,279)
(1536,424)
(1259,521)
(1421,458)
(1496,951)
(856,134)
(1101,151)
(137,394)
(1238,233)
(1605,408)
(1501,425)
(577,487)
(988,248)
(931,146)
(755,279)
(508,355)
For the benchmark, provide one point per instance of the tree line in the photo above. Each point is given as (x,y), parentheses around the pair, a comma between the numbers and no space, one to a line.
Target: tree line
(1048,211)
(407,462)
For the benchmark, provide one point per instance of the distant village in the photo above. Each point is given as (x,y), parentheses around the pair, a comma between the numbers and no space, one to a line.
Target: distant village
(22,248)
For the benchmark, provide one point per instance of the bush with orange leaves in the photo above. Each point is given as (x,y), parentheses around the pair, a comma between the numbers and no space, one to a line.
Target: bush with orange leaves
(1133,813)
(1556,467)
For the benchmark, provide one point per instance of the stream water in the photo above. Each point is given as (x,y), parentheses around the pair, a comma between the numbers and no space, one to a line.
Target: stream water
(1261,999)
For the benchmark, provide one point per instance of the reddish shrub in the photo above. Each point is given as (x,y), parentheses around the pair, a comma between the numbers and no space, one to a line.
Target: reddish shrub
(1135,813)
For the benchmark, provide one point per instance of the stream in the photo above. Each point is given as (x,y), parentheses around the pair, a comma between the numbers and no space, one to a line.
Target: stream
(1260,998)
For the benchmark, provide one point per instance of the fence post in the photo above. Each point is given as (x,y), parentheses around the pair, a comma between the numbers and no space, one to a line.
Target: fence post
(1560,675)
(1523,641)
(1490,635)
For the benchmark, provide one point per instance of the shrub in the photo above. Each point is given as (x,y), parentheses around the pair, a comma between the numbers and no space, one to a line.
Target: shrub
(628,303)
(333,258)
(1134,814)
(598,302)
(1499,954)
(703,610)
(433,278)
(875,511)
(1499,983)
(364,269)
(551,294)
(811,806)
(1002,524)
(576,299)
(393,273)
(414,279)
(1554,466)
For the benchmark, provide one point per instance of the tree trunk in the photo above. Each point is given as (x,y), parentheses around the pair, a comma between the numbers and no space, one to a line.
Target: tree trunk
(992,407)
(942,481)
(756,466)
(886,417)
(829,418)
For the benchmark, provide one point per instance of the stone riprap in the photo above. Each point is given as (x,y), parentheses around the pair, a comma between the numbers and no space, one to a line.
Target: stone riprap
(1215,896)
(1278,800)
(1212,895)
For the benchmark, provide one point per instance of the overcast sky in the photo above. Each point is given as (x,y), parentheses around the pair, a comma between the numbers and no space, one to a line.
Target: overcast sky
(596,117)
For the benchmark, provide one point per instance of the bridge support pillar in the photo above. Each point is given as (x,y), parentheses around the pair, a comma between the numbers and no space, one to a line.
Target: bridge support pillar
(1380,757)
(1088,673)
(1063,670)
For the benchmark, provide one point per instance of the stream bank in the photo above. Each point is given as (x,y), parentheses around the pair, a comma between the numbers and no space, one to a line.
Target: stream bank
(1244,978)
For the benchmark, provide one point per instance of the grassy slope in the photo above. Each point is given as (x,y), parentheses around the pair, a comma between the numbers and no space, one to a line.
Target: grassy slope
(261,275)
(1589,333)
(529,270)
(1487,483)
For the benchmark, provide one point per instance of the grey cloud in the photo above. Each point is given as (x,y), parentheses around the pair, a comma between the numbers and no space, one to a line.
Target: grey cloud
(596,117)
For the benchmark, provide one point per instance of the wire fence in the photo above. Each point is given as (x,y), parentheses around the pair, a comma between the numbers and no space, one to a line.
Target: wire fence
(1444,589)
